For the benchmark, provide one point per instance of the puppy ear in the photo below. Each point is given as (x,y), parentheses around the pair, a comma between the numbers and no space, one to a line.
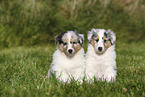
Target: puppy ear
(81,39)
(82,36)
(90,34)
(111,36)
(58,38)
(93,30)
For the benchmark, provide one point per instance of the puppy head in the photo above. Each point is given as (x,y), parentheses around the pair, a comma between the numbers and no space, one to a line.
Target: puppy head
(101,39)
(69,42)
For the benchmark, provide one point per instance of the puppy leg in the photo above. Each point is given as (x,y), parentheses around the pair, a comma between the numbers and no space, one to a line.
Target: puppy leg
(63,77)
(79,76)
(90,76)
(110,76)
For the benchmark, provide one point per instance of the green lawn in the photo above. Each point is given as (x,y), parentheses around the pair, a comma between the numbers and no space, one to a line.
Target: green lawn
(23,72)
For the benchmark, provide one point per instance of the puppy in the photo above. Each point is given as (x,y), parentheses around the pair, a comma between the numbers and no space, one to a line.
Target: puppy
(101,55)
(68,60)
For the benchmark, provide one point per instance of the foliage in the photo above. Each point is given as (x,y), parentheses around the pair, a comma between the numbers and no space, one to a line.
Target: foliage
(31,22)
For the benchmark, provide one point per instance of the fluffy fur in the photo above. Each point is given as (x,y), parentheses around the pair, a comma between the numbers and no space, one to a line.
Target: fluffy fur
(100,63)
(68,65)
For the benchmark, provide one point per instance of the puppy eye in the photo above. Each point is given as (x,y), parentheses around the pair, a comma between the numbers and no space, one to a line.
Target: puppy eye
(105,41)
(74,42)
(97,40)
(65,43)
(60,42)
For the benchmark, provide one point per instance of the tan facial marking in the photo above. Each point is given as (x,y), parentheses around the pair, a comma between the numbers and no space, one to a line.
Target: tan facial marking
(92,42)
(104,38)
(77,47)
(107,44)
(61,47)
(66,40)
(97,37)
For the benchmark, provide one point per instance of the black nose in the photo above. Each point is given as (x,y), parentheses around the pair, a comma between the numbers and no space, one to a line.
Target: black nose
(70,51)
(100,48)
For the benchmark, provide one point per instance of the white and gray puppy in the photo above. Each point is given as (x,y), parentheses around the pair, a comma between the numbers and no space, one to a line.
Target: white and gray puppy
(68,60)
(101,55)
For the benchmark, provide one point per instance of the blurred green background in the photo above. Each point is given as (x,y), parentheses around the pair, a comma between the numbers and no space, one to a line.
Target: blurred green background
(36,22)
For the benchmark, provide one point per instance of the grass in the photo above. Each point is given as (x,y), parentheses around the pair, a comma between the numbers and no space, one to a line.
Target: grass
(23,73)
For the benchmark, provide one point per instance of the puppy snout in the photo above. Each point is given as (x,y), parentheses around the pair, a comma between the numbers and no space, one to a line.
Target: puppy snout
(70,51)
(100,48)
